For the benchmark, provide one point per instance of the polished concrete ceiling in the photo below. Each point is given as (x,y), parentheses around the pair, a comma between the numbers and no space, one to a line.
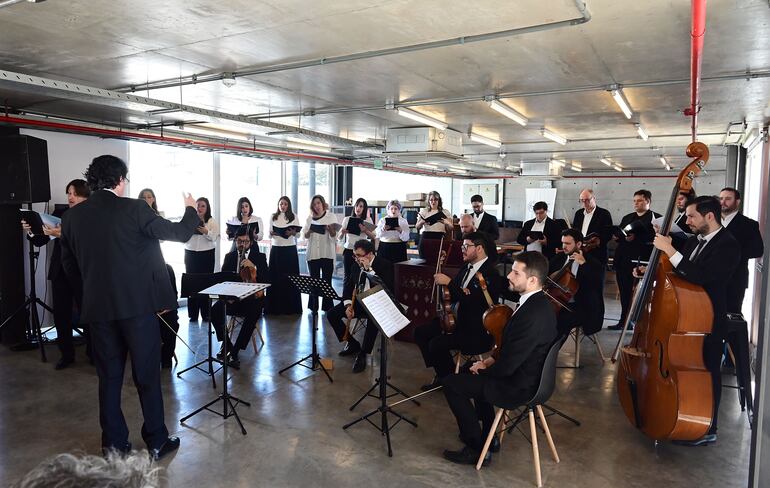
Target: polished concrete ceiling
(558,78)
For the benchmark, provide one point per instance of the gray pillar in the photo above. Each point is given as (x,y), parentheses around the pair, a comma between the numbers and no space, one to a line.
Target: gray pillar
(311,180)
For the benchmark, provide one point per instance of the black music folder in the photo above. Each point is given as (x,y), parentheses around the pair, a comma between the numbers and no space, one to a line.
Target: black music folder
(318,228)
(353,225)
(435,218)
(536,235)
(392,222)
(282,231)
(232,228)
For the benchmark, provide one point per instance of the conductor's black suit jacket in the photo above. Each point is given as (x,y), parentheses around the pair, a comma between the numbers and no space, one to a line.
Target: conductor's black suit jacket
(113,244)
(529,334)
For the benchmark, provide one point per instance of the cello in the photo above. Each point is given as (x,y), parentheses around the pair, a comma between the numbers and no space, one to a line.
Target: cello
(663,384)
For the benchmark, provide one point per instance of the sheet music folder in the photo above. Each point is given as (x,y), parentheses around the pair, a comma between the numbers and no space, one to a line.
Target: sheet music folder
(235,289)
(382,310)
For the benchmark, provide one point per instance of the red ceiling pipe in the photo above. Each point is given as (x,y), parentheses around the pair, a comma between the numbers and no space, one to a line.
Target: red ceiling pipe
(697,32)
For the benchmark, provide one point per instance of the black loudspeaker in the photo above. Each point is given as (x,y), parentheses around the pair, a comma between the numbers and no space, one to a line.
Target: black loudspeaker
(24,160)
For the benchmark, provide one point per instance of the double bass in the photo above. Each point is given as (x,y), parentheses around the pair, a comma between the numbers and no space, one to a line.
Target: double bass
(663,384)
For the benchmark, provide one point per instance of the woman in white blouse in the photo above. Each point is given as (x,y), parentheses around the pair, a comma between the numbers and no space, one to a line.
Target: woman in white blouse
(393,239)
(199,255)
(361,211)
(282,296)
(441,227)
(245,215)
(320,233)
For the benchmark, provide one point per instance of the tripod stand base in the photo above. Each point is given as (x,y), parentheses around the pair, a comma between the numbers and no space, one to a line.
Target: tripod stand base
(388,384)
(227,401)
(315,365)
(385,426)
(210,371)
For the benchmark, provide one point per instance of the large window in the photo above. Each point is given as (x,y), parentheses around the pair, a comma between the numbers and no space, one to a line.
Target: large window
(169,171)
(305,180)
(373,184)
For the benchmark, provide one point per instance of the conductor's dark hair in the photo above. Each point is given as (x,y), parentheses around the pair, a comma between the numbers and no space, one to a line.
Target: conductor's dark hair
(536,264)
(708,204)
(240,201)
(735,191)
(540,206)
(646,194)
(573,233)
(105,171)
(364,245)
(80,187)
(207,215)
(477,198)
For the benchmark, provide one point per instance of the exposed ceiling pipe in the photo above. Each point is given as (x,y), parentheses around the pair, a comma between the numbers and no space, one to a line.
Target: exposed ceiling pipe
(697,32)
(181,142)
(584,17)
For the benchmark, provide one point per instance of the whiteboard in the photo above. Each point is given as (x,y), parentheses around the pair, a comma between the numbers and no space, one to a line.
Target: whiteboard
(534,195)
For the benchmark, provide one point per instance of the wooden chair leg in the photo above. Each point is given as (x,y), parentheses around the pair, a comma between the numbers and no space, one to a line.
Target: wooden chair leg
(599,349)
(506,419)
(458,358)
(547,433)
(535,452)
(491,435)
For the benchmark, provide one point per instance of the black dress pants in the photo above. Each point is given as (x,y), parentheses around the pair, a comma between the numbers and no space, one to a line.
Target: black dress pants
(735,296)
(624,276)
(198,262)
(713,348)
(464,393)
(337,318)
(63,299)
(436,347)
(249,308)
(112,341)
(318,267)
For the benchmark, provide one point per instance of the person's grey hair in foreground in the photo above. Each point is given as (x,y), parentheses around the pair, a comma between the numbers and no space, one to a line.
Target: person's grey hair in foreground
(134,470)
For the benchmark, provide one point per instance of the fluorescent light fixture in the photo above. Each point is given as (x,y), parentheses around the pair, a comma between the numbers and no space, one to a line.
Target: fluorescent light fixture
(508,112)
(554,137)
(641,132)
(513,168)
(418,117)
(606,161)
(663,161)
(668,168)
(215,132)
(308,142)
(427,165)
(458,168)
(576,166)
(484,140)
(618,168)
(307,147)
(622,103)
(558,162)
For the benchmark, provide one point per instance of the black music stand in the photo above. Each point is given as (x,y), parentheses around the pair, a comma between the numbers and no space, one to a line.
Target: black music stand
(318,288)
(193,283)
(225,396)
(384,409)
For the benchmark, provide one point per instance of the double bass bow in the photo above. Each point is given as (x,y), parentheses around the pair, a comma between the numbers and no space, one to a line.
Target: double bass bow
(663,384)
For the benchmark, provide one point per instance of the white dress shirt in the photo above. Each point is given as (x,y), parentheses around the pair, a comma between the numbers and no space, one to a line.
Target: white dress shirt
(523,298)
(477,219)
(281,222)
(400,235)
(587,220)
(474,269)
(726,219)
(320,246)
(350,238)
(204,242)
(536,227)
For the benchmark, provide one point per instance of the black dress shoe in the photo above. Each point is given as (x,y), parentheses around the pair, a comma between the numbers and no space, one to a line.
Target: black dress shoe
(435,383)
(171,445)
(466,455)
(493,447)
(703,441)
(618,326)
(351,347)
(360,363)
(122,450)
(63,363)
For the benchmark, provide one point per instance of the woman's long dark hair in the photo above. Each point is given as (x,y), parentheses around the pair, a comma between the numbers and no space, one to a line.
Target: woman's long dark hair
(366,208)
(154,199)
(207,216)
(323,202)
(289,212)
(240,201)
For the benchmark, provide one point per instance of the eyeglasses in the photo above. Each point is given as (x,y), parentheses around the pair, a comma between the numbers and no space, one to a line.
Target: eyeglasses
(466,246)
(359,256)
(584,200)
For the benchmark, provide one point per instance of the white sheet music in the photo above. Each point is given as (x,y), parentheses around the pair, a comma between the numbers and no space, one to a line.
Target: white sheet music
(384,312)
(235,289)
(675,229)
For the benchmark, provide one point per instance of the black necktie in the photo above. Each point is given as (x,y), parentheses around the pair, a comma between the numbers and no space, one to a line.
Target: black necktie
(701,243)
(465,274)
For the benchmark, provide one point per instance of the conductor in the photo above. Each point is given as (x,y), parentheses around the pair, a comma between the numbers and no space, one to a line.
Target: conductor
(112,243)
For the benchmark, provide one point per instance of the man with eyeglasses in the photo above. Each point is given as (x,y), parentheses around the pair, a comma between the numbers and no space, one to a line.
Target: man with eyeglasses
(594,221)
(470,337)
(373,270)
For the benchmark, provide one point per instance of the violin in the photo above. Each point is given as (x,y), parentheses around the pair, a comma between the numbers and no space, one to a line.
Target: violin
(495,317)
(443,298)
(247,273)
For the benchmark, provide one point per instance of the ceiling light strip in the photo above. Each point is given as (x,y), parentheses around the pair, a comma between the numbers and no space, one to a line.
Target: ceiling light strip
(485,140)
(554,136)
(617,95)
(504,109)
(418,117)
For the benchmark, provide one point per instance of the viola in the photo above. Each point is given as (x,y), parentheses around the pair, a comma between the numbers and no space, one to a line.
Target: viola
(443,298)
(663,384)
(495,317)
(248,274)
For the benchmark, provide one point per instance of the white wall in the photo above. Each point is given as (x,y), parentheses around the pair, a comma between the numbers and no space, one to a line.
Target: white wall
(461,206)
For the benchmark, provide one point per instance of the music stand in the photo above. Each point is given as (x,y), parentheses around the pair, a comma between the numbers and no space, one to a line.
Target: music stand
(318,288)
(384,409)
(193,283)
(224,291)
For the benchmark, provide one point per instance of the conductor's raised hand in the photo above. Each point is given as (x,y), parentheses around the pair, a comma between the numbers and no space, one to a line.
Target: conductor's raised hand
(189,201)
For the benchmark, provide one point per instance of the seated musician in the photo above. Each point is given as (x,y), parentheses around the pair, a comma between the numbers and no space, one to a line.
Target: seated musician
(469,336)
(708,259)
(371,270)
(586,309)
(249,308)
(515,375)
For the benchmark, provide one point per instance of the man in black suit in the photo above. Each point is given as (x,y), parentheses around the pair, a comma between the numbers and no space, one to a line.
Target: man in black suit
(513,377)
(65,294)
(470,337)
(634,246)
(112,245)
(746,232)
(483,221)
(683,199)
(250,308)
(551,230)
(592,220)
(372,271)
(708,259)
(587,306)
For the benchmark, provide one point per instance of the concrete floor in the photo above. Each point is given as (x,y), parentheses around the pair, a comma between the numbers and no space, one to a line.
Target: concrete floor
(295,436)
